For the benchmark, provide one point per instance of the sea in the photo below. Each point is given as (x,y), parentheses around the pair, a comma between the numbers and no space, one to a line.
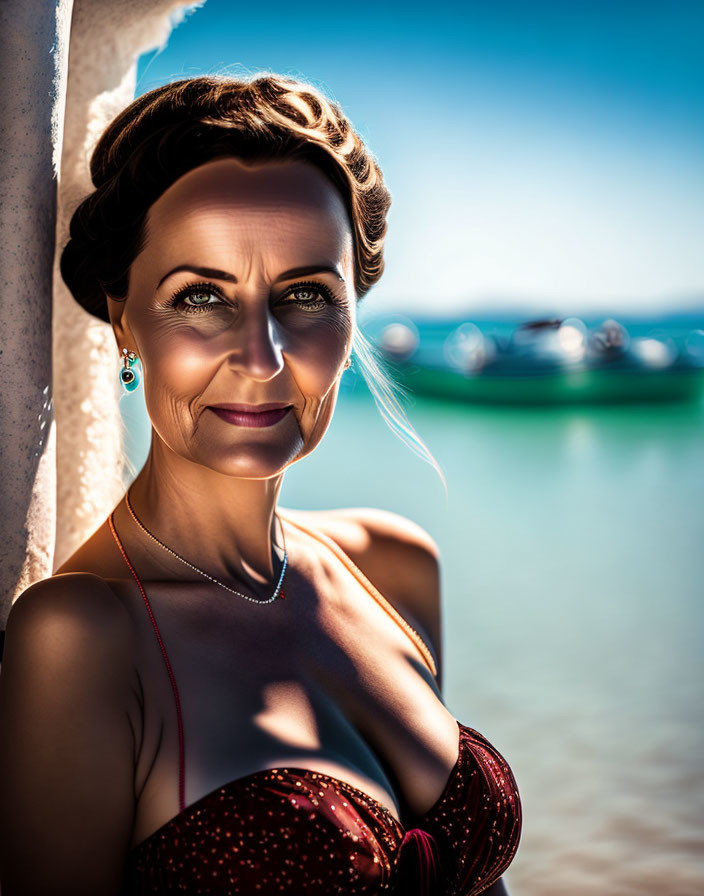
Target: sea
(572,546)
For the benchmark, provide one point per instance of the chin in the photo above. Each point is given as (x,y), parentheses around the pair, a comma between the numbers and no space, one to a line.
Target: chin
(250,461)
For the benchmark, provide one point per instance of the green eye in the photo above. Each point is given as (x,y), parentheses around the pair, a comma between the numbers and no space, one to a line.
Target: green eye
(197,297)
(305,289)
(309,295)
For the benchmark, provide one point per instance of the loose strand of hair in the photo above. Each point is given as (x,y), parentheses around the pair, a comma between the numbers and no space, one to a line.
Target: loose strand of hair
(387,394)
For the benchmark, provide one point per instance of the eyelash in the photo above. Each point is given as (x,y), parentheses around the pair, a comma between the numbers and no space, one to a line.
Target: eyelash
(177,298)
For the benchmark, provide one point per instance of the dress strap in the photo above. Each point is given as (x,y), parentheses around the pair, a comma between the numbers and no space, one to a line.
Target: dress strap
(417,640)
(412,634)
(179,718)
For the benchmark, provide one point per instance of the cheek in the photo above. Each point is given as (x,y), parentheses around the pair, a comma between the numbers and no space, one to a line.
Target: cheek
(178,360)
(176,374)
(317,413)
(315,363)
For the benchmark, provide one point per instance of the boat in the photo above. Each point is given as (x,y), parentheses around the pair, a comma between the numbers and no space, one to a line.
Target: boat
(548,360)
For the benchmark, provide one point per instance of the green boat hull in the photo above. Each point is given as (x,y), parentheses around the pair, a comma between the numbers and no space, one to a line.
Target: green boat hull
(564,387)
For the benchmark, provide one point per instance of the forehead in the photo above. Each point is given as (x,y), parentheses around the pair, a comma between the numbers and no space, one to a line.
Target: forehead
(285,207)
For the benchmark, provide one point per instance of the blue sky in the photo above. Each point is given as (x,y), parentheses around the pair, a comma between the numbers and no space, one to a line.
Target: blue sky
(543,156)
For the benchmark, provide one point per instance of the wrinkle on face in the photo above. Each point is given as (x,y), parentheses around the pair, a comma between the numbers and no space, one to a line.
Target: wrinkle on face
(254,222)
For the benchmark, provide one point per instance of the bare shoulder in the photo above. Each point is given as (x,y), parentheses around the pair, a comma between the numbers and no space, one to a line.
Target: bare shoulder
(83,591)
(66,612)
(390,530)
(68,696)
(397,555)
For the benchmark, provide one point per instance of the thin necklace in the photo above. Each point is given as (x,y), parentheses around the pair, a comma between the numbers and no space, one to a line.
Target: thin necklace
(202,572)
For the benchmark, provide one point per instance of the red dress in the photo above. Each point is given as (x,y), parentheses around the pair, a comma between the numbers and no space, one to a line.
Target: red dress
(297,831)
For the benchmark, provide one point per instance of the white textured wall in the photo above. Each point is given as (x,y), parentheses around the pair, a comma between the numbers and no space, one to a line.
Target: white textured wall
(107,38)
(57,482)
(28,52)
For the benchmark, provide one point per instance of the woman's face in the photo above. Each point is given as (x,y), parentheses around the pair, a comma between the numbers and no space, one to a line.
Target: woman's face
(263,311)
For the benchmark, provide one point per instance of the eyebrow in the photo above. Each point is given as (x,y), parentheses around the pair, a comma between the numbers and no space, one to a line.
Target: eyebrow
(215,274)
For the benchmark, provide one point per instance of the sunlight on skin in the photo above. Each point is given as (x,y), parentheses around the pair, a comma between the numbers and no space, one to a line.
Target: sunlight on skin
(264,338)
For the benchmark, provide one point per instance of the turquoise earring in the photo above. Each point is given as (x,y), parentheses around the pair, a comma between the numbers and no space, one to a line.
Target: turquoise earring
(131,372)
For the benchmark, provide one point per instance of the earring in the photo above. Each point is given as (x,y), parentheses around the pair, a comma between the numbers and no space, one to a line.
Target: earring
(348,363)
(130,372)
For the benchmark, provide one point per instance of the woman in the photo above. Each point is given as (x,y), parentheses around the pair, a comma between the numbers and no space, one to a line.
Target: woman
(168,734)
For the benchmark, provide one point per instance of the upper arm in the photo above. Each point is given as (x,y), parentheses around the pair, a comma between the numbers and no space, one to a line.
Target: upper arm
(67,744)
(403,562)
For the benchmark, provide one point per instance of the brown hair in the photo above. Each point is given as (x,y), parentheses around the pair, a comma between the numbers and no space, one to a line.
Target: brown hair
(179,126)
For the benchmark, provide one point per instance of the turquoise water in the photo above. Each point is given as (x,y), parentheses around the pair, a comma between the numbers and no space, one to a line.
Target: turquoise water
(573,575)
(573,572)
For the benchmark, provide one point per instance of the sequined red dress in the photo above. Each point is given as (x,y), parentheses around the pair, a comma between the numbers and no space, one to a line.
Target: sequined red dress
(297,831)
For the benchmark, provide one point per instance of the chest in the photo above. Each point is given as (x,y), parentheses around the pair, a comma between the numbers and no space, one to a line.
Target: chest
(325,679)
(240,666)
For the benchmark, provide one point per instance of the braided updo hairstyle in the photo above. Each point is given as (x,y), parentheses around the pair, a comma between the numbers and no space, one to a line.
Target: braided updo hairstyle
(179,126)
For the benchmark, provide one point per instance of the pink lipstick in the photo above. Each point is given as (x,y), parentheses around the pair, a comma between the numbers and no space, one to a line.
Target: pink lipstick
(251,415)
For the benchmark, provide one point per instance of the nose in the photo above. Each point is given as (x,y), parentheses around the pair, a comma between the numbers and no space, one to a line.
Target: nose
(256,344)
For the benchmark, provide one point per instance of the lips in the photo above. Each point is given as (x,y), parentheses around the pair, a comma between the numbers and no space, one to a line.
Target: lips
(251,408)
(251,415)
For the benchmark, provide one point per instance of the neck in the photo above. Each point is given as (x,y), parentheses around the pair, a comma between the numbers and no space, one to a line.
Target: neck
(223,524)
